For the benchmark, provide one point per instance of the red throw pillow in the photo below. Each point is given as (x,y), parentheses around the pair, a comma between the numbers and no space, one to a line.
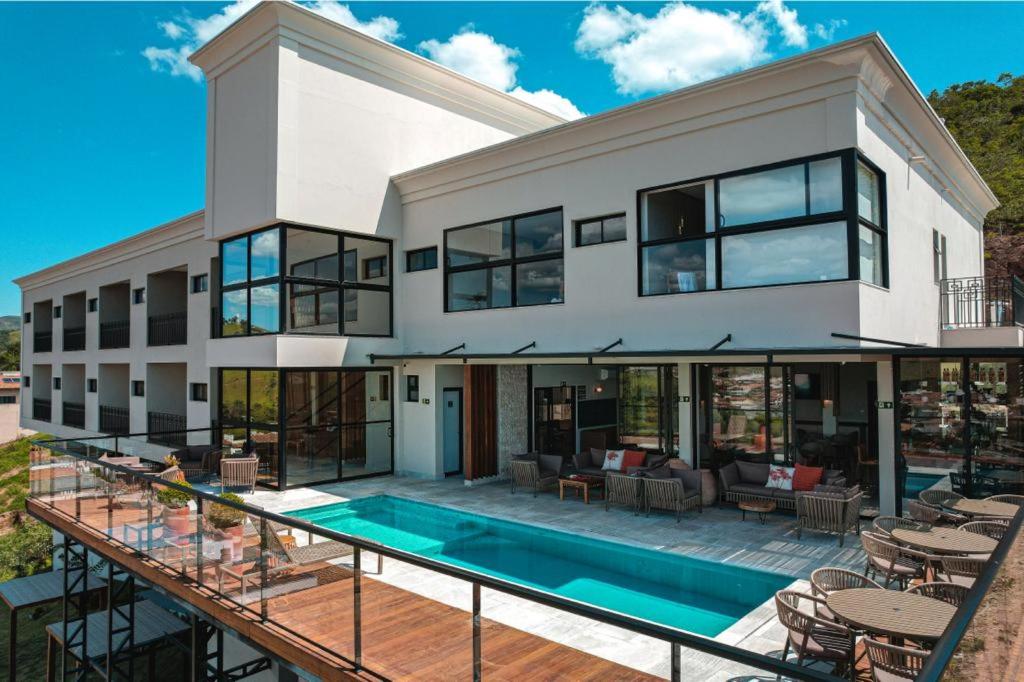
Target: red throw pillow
(805,478)
(633,458)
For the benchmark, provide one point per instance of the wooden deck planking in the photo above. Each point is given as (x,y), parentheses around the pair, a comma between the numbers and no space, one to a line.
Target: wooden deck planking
(404,635)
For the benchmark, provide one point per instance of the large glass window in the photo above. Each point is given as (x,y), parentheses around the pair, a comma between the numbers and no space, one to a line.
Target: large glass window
(997,425)
(328,276)
(869,205)
(248,415)
(787,224)
(510,262)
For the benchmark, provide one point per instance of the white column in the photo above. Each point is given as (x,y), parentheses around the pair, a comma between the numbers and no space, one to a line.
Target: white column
(686,398)
(886,439)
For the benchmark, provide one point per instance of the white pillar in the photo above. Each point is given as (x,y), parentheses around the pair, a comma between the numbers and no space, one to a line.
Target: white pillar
(886,439)
(686,398)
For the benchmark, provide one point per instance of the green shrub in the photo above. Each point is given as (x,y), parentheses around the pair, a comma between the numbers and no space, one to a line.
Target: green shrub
(174,498)
(25,551)
(222,516)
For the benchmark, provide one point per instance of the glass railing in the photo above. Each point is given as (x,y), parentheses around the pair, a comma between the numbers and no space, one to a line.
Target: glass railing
(375,607)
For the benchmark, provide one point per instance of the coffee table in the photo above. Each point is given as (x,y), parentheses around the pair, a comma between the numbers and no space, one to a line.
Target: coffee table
(762,507)
(580,483)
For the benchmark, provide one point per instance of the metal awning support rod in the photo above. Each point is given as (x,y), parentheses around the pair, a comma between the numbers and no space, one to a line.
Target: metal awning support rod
(532,344)
(868,338)
(611,345)
(461,346)
(727,339)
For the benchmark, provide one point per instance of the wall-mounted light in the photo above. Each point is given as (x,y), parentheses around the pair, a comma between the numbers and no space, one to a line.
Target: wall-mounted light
(599,388)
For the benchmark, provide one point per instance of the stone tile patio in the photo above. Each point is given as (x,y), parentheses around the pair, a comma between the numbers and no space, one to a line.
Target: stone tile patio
(718,534)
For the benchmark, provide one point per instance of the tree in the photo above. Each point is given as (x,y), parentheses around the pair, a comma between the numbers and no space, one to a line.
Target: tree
(987,120)
(10,350)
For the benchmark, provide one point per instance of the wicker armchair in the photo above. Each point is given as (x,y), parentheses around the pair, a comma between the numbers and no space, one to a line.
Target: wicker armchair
(825,581)
(951,593)
(960,570)
(890,662)
(534,472)
(829,512)
(624,490)
(239,472)
(893,562)
(1008,499)
(936,498)
(923,513)
(812,637)
(885,525)
(673,494)
(992,529)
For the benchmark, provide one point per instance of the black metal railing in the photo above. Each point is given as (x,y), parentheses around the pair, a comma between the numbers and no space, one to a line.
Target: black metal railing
(169,329)
(113,419)
(74,338)
(41,409)
(73,414)
(976,302)
(42,342)
(116,334)
(166,428)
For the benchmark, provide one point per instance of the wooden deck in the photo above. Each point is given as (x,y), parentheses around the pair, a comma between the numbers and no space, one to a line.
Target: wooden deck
(404,635)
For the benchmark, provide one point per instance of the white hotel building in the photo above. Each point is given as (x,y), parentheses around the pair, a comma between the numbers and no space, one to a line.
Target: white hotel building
(401,271)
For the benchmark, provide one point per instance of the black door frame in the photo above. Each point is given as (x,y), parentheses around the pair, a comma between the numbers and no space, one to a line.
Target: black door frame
(462,435)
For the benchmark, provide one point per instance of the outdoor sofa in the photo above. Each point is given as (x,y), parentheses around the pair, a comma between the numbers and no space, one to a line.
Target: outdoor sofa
(662,487)
(589,463)
(743,481)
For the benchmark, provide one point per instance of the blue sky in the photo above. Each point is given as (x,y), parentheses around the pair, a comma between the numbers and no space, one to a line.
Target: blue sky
(102,132)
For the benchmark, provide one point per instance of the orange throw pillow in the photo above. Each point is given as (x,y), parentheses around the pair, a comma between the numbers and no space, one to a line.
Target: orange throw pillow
(805,478)
(633,458)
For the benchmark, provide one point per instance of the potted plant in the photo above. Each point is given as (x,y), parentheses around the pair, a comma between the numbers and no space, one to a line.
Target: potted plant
(175,513)
(171,461)
(229,522)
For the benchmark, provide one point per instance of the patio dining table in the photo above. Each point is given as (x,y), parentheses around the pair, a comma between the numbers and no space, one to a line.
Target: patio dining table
(945,541)
(894,614)
(972,507)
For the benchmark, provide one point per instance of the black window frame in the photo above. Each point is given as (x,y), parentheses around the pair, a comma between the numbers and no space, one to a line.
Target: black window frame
(848,214)
(284,281)
(199,392)
(512,262)
(58,311)
(56,383)
(92,304)
(577,230)
(26,381)
(939,263)
(91,385)
(409,255)
(27,317)
(139,296)
(138,388)
(412,388)
(373,264)
(200,283)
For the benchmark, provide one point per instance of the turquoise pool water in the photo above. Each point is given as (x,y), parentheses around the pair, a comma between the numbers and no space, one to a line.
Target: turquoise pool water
(700,596)
(916,482)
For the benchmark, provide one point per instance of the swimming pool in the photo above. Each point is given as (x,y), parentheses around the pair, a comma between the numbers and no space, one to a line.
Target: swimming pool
(916,482)
(696,595)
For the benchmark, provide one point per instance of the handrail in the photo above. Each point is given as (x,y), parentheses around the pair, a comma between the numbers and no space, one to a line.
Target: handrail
(944,649)
(575,607)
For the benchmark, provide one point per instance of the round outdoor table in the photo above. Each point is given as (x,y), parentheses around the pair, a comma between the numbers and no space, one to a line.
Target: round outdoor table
(982,507)
(946,541)
(892,613)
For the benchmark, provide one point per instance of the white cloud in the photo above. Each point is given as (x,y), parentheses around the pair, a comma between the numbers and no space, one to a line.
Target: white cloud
(482,58)
(683,44)
(827,31)
(189,33)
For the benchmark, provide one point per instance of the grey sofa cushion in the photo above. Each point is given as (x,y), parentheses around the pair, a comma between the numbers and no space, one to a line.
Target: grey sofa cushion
(591,471)
(751,489)
(780,494)
(658,472)
(753,473)
(597,457)
(690,478)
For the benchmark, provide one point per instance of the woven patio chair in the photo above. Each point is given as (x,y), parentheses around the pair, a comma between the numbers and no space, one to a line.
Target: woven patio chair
(239,472)
(828,512)
(813,638)
(534,473)
(992,529)
(825,581)
(923,513)
(673,494)
(890,663)
(894,562)
(951,593)
(885,525)
(936,498)
(624,490)
(960,570)
(1007,499)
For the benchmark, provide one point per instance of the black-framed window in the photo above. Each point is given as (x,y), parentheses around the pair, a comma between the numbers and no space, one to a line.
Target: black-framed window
(412,388)
(421,259)
(138,388)
(200,283)
(816,219)
(139,295)
(56,383)
(27,317)
(57,312)
(939,256)
(510,262)
(198,392)
(602,230)
(91,386)
(287,279)
(26,381)
(92,305)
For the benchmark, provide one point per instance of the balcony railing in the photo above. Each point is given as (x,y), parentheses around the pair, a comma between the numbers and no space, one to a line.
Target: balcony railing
(113,419)
(41,409)
(74,338)
(42,342)
(116,334)
(167,429)
(170,329)
(976,302)
(73,414)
